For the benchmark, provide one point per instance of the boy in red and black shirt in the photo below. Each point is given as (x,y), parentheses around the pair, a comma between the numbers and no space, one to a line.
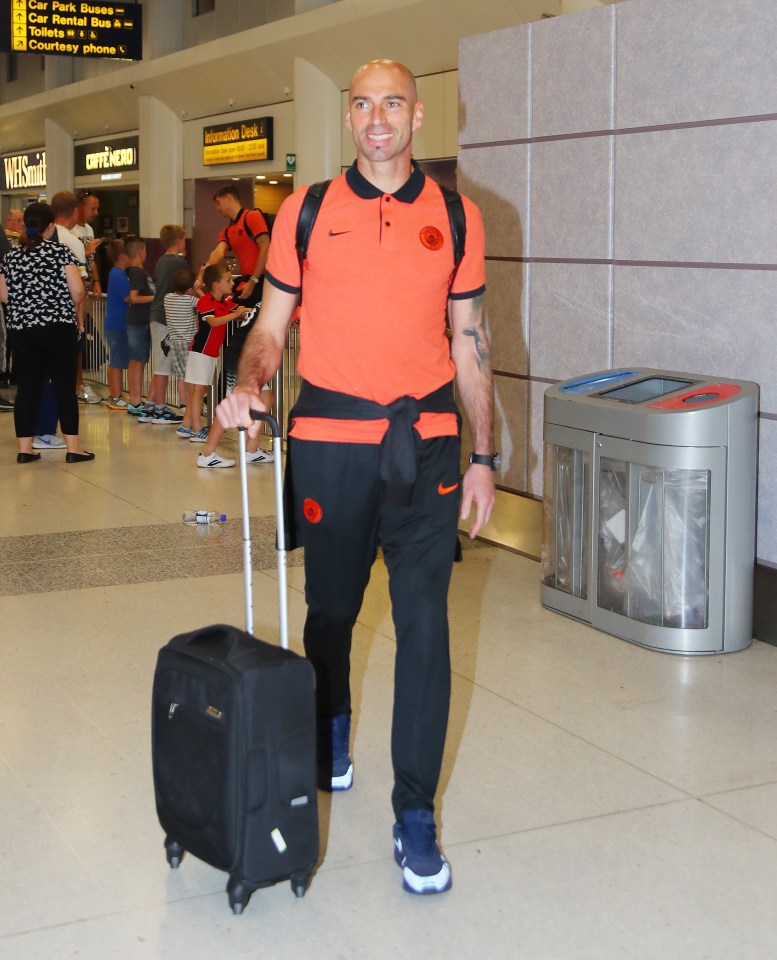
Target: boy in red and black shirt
(214,311)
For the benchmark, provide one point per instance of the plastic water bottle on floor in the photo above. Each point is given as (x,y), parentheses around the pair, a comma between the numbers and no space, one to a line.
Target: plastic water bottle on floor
(194,517)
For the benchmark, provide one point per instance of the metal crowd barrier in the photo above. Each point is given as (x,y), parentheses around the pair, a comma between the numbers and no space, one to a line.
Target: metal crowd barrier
(285,385)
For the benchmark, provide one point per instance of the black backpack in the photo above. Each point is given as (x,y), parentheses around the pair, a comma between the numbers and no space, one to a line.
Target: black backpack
(269,219)
(315,196)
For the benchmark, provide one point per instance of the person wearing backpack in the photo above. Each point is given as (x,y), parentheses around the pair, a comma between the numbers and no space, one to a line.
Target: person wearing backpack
(374,447)
(248,237)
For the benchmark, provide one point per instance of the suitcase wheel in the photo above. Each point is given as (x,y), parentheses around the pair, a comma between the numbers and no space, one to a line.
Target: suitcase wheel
(239,895)
(299,885)
(175,853)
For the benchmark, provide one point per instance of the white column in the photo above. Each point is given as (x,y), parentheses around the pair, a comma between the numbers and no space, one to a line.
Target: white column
(161,166)
(59,159)
(317,123)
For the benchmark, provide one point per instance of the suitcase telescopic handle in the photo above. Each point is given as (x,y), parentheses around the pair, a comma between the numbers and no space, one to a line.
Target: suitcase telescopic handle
(280,540)
(269,419)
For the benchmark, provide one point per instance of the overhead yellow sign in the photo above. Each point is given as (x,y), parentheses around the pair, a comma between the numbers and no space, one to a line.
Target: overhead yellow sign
(238,142)
(71,28)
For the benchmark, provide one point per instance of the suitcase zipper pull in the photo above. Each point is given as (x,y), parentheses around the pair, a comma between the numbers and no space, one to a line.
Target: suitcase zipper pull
(171,712)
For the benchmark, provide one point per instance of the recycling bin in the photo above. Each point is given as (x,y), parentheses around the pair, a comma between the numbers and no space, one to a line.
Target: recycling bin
(649,507)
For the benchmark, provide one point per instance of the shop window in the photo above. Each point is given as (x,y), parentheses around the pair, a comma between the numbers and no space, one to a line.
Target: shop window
(203,6)
(13,67)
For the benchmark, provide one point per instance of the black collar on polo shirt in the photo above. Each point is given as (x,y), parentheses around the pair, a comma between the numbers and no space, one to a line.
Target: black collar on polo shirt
(237,217)
(407,193)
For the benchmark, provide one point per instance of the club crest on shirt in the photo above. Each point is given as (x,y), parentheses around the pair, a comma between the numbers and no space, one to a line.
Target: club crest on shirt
(431,238)
(312,510)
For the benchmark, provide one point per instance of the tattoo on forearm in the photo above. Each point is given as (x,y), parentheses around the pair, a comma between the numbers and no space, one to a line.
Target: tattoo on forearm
(475,330)
(481,345)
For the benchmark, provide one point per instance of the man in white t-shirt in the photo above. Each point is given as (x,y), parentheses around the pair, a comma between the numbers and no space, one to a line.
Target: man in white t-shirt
(86,211)
(65,207)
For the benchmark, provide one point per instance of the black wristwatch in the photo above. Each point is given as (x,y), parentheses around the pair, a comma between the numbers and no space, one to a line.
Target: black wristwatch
(493,460)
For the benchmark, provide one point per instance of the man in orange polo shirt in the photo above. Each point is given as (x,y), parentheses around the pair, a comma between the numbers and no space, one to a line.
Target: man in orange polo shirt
(374,451)
(247,236)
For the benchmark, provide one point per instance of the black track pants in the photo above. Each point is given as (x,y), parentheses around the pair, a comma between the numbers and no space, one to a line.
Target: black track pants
(40,353)
(341,518)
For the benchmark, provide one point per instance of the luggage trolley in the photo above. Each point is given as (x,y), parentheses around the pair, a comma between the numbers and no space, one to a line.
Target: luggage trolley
(649,507)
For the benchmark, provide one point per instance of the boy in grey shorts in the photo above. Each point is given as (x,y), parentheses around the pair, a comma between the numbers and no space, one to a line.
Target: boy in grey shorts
(181,319)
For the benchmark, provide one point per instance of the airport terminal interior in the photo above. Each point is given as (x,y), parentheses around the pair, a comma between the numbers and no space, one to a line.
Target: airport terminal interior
(599,800)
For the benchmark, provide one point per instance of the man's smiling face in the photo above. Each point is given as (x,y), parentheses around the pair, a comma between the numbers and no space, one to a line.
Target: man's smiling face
(383,111)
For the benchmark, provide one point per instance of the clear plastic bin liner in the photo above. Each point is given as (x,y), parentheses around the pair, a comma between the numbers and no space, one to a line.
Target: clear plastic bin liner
(658,571)
(566,519)
(613,495)
(686,548)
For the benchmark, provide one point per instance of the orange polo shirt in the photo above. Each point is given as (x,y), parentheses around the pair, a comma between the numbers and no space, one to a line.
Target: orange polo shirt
(241,242)
(374,307)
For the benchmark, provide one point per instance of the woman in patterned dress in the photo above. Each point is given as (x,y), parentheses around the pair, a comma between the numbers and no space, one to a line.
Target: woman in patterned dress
(41,285)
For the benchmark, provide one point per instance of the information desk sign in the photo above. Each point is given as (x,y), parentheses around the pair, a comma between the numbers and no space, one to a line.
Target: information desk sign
(72,28)
(238,142)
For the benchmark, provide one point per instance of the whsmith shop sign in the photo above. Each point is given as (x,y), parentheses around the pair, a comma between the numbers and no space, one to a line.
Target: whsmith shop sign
(71,28)
(106,157)
(24,171)
(237,142)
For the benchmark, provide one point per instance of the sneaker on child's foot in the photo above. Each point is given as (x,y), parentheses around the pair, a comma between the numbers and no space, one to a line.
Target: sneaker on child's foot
(184,432)
(116,403)
(135,410)
(213,460)
(259,456)
(166,416)
(200,436)
(424,868)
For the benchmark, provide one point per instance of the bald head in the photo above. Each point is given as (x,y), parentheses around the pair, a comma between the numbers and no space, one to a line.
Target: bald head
(403,75)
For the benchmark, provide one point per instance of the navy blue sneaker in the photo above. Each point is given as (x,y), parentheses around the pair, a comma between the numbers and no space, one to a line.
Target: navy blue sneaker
(335,768)
(342,765)
(424,869)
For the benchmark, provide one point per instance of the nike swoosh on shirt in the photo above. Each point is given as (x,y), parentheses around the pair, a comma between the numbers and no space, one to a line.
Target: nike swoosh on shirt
(338,233)
(442,490)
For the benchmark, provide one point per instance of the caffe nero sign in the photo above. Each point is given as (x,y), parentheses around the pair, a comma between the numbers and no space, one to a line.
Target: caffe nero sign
(105,157)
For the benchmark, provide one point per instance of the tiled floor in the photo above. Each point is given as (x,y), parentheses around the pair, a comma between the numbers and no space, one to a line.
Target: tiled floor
(599,801)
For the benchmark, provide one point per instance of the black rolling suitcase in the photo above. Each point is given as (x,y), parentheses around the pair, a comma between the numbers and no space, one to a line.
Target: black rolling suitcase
(234,742)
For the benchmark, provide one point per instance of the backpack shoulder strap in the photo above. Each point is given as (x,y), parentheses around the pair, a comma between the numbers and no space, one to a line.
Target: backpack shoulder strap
(246,226)
(307,218)
(458,223)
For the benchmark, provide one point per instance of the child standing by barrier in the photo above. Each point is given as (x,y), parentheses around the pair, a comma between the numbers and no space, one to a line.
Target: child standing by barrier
(116,323)
(214,311)
(181,319)
(230,358)
(141,295)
